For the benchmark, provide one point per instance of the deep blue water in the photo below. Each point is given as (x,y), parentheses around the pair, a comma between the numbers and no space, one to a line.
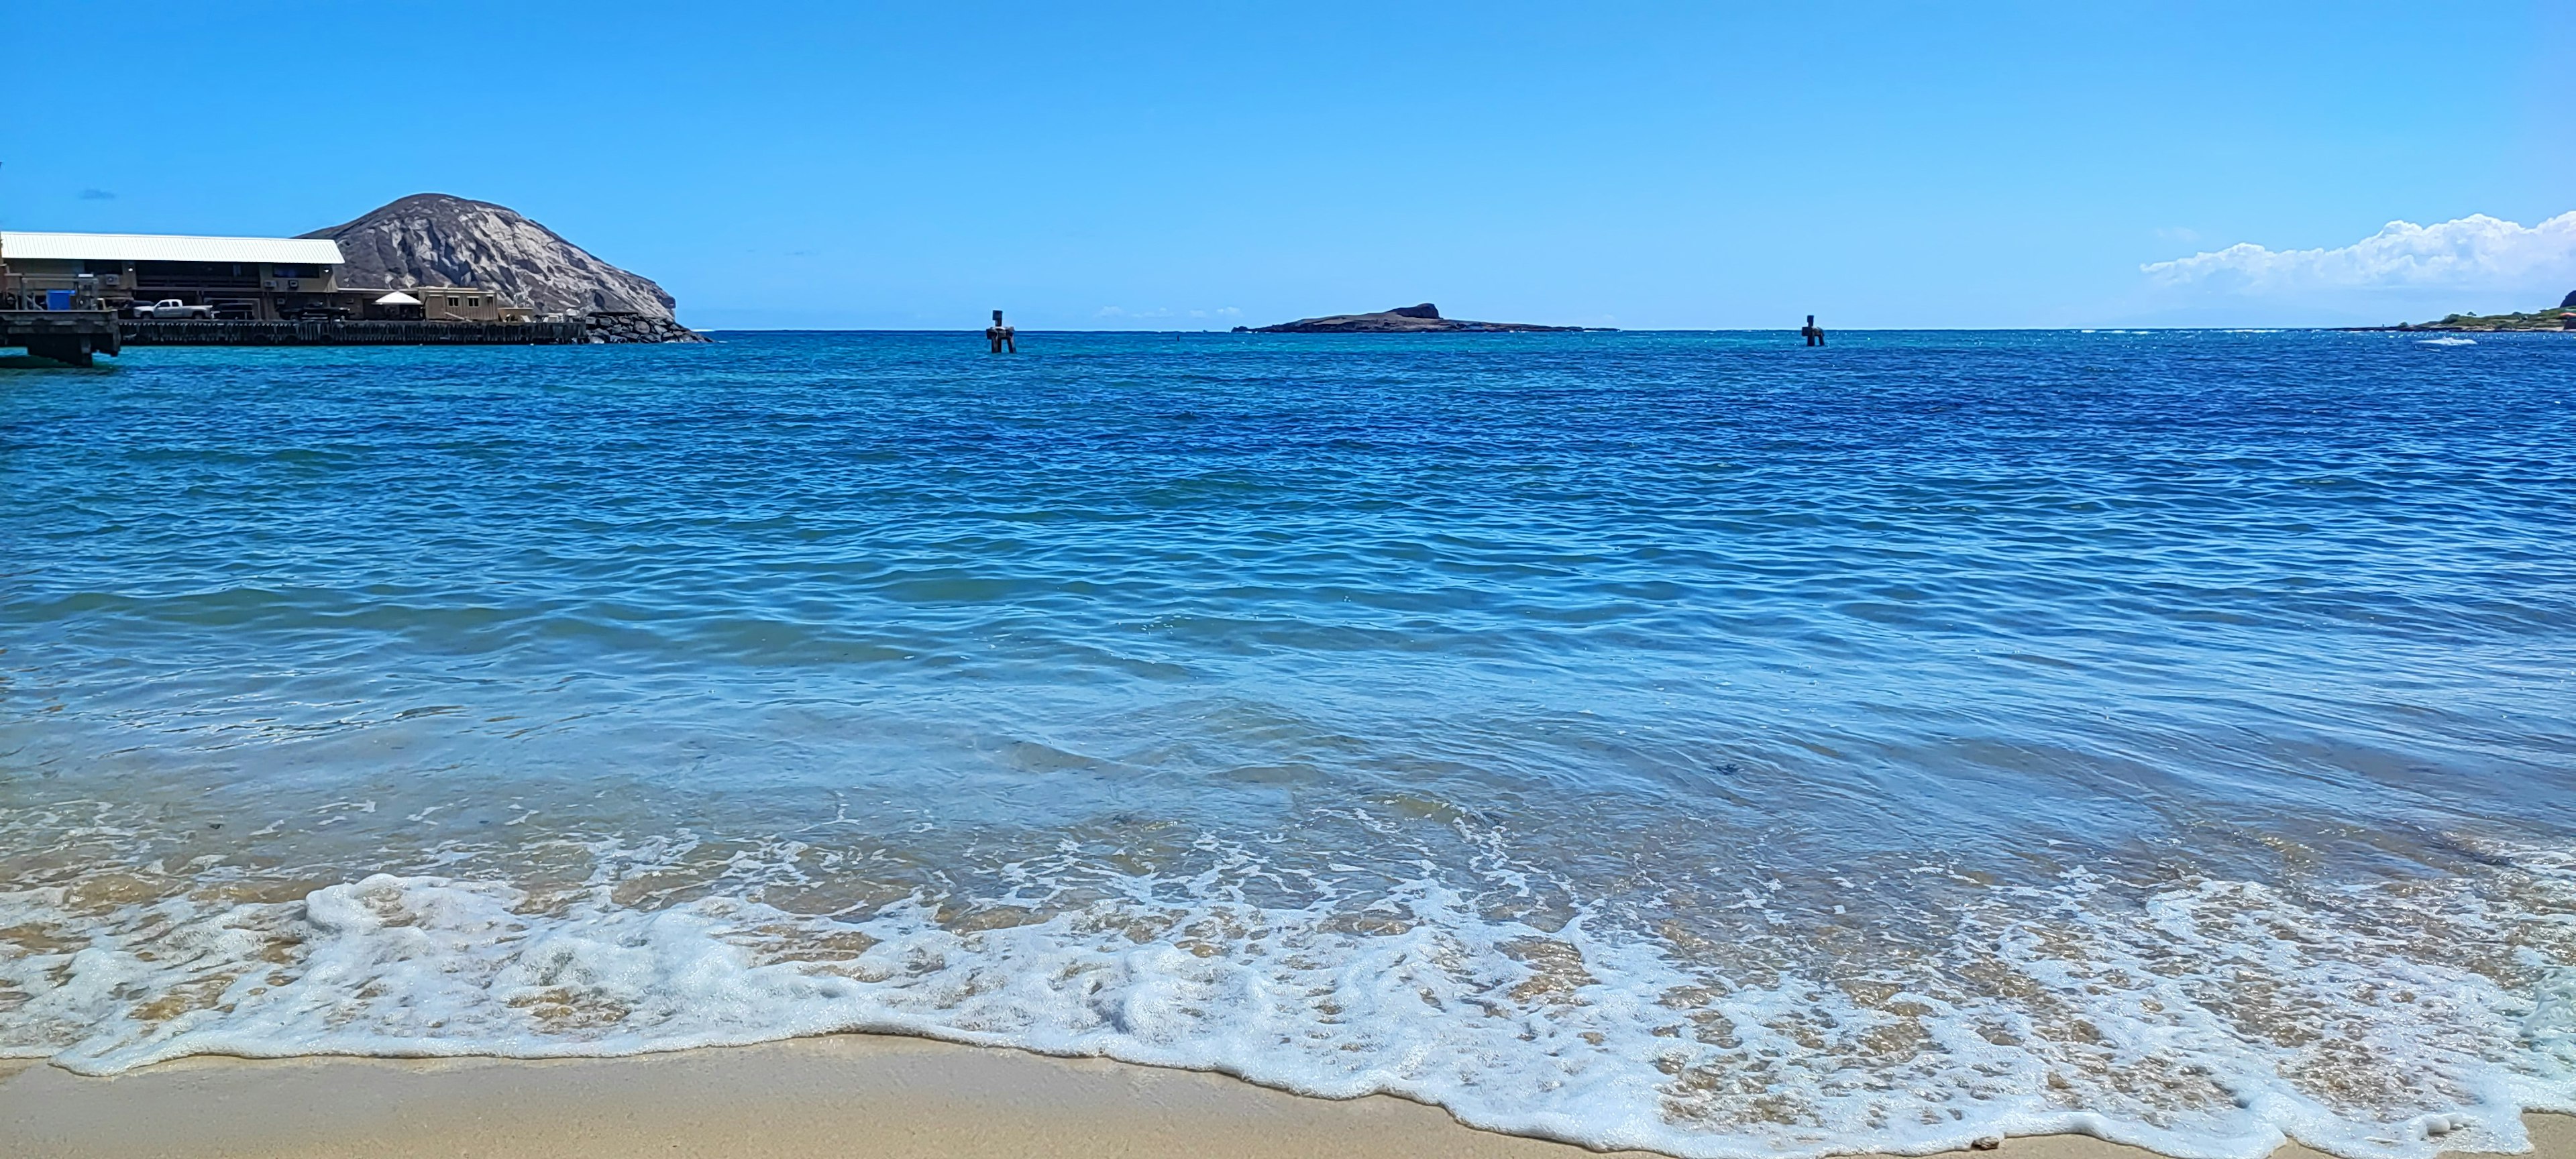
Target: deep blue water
(1685,740)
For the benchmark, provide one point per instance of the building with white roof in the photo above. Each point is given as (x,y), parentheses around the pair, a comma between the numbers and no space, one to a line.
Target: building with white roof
(244,277)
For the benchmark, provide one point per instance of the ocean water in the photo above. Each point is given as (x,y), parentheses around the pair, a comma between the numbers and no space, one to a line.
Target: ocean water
(1692,742)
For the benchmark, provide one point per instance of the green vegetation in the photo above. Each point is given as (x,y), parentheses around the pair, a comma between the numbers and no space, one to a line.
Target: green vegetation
(2554,318)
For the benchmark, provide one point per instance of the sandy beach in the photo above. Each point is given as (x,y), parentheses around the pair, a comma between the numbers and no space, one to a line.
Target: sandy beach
(838,1095)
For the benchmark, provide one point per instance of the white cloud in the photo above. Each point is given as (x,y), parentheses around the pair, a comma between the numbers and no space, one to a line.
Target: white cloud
(2471,253)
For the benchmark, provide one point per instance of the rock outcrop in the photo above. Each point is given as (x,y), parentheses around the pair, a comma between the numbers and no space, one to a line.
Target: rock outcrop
(2568,302)
(2561,318)
(1422,319)
(603,326)
(432,239)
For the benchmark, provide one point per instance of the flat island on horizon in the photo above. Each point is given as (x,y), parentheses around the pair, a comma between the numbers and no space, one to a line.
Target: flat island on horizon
(1421,319)
(2562,318)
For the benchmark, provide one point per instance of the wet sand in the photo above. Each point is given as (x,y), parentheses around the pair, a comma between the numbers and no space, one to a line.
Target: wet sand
(836,1096)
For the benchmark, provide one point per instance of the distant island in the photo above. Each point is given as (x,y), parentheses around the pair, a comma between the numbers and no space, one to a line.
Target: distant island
(2562,318)
(1422,319)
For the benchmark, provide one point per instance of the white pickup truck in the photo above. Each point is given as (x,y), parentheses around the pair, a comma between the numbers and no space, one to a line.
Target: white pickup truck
(174,308)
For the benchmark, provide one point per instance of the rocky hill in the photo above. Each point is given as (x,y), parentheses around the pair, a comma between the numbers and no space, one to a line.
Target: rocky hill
(432,239)
(1422,319)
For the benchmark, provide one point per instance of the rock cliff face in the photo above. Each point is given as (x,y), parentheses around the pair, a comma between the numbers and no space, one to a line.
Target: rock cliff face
(1422,319)
(432,239)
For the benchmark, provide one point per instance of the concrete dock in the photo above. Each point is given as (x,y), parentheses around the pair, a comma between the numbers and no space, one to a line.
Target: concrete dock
(74,336)
(66,336)
(147,332)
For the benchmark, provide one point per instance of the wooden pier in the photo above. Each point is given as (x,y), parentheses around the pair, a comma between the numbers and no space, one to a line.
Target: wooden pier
(73,336)
(65,336)
(148,332)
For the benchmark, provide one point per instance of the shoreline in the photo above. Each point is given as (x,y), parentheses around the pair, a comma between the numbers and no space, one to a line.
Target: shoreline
(832,1095)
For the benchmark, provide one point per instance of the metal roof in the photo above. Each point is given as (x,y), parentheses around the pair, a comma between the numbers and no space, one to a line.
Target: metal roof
(149,247)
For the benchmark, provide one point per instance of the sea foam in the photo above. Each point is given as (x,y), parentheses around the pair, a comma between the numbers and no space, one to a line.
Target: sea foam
(2221,1019)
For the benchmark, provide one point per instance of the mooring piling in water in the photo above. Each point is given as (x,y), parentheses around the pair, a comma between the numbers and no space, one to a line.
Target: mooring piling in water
(1000,336)
(1814,334)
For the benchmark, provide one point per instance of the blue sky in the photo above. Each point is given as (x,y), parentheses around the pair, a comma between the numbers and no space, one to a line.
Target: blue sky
(1196,166)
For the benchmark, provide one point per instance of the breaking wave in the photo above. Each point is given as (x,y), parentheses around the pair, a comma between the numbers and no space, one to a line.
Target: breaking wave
(2206,1018)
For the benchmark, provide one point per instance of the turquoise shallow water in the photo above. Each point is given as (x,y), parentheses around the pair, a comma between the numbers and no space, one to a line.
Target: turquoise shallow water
(1687,741)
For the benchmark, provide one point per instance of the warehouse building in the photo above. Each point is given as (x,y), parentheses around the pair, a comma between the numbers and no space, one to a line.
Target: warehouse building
(251,278)
(240,277)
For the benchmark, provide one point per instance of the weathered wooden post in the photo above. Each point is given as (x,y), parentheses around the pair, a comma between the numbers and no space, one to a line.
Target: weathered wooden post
(1814,334)
(1000,336)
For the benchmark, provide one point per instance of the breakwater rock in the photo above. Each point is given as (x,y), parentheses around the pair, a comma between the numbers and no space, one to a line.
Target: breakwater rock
(1422,319)
(614,326)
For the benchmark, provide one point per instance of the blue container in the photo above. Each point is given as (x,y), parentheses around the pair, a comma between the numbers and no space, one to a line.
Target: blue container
(58,299)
